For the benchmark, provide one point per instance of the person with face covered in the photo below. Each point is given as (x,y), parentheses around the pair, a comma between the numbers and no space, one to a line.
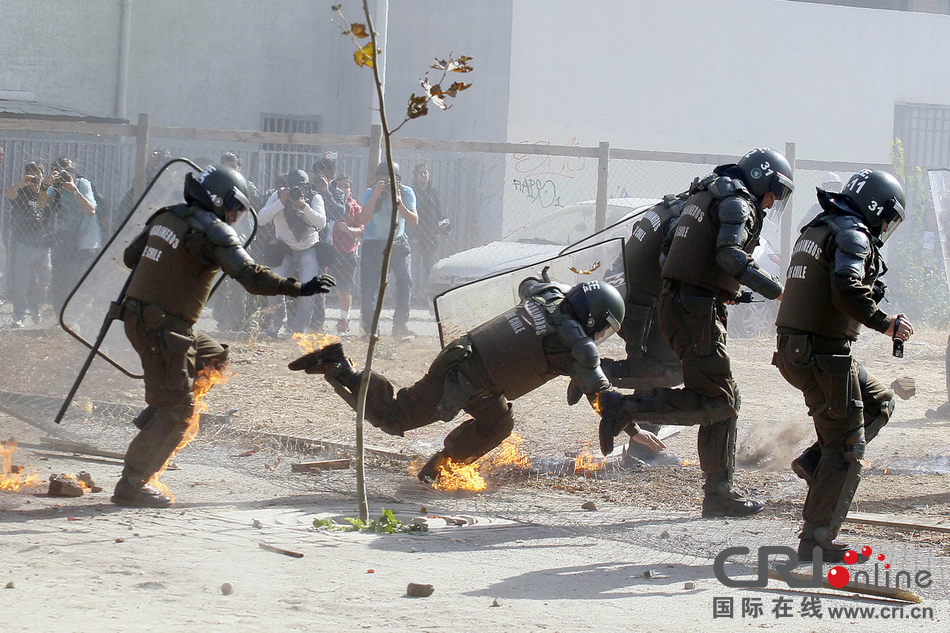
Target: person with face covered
(298,215)
(709,261)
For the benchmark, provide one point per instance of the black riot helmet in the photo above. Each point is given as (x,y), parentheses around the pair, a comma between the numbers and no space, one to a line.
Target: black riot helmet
(879,197)
(763,170)
(218,189)
(597,306)
(382,171)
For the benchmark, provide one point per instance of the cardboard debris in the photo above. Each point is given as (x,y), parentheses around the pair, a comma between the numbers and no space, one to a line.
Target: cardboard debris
(326,464)
(904,387)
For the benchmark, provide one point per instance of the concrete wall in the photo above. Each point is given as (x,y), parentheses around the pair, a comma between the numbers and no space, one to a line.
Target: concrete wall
(221,63)
(722,75)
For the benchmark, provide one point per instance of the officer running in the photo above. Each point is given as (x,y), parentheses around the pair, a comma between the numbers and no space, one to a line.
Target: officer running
(548,334)
(175,260)
(831,290)
(708,261)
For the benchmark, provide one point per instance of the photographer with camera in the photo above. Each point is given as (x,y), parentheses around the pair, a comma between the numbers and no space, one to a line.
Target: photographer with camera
(297,225)
(75,229)
(376,215)
(29,233)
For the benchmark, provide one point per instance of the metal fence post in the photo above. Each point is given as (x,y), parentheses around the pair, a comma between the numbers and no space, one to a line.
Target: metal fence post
(603,158)
(141,155)
(785,254)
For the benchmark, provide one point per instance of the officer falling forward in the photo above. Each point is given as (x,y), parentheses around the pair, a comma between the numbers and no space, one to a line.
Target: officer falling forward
(708,262)
(550,333)
(832,289)
(175,260)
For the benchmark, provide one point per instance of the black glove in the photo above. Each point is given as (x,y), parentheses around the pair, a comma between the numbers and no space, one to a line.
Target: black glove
(609,404)
(322,283)
(574,392)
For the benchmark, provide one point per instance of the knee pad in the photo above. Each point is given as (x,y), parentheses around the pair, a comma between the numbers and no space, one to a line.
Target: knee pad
(476,437)
(873,426)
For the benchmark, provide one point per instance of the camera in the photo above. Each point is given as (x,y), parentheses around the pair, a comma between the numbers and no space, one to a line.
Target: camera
(59,177)
(296,193)
(33,178)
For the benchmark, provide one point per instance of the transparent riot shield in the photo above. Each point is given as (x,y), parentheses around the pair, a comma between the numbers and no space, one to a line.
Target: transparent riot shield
(84,314)
(940,191)
(461,309)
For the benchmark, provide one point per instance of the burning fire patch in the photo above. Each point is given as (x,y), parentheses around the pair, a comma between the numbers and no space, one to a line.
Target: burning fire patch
(204,381)
(312,342)
(14,477)
(456,476)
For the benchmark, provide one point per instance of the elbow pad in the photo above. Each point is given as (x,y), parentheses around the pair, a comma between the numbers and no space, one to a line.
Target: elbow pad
(760,281)
(585,353)
(233,259)
(733,260)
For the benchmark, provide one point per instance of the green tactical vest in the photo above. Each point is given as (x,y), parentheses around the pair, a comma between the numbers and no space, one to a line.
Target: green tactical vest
(167,276)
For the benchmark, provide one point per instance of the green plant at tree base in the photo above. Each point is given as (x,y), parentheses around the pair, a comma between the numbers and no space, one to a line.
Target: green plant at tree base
(387,523)
(917,281)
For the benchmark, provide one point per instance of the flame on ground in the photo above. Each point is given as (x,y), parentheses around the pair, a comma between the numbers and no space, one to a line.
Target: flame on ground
(457,476)
(207,378)
(13,478)
(585,463)
(689,462)
(312,342)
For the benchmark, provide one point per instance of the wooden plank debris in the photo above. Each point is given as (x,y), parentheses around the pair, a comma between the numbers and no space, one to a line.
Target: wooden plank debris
(281,550)
(906,522)
(326,464)
(869,590)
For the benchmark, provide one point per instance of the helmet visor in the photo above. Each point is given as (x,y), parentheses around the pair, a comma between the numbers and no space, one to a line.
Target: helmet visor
(893,217)
(777,209)
(782,186)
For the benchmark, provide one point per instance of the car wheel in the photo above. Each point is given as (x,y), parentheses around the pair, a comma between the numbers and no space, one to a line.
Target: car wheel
(752,319)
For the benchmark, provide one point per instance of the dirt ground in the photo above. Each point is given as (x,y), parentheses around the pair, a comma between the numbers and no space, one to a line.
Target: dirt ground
(907,476)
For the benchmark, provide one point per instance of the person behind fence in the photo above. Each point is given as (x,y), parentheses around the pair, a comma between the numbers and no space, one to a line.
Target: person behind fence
(76,235)
(427,236)
(832,289)
(335,207)
(376,216)
(297,223)
(29,241)
(174,262)
(551,333)
(346,236)
(708,262)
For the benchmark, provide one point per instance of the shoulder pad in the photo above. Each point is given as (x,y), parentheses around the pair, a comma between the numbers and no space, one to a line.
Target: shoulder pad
(218,232)
(853,242)
(702,184)
(734,210)
(843,222)
(724,186)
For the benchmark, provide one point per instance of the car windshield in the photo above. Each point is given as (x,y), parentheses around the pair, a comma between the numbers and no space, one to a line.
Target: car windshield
(571,223)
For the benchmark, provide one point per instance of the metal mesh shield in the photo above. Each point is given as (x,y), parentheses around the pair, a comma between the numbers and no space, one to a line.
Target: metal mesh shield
(83,313)
(461,309)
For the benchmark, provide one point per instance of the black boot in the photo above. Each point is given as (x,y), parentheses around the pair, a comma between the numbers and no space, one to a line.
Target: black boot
(320,361)
(721,500)
(832,550)
(141,496)
(806,464)
(430,472)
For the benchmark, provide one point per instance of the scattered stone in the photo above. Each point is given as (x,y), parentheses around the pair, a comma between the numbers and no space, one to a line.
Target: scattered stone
(86,478)
(227,589)
(417,590)
(589,506)
(689,585)
(120,540)
(649,573)
(495,603)
(904,387)
(423,510)
(10,585)
(64,486)
(664,534)
(16,470)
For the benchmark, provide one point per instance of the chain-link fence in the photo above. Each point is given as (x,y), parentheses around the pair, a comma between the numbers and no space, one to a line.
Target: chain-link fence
(484,207)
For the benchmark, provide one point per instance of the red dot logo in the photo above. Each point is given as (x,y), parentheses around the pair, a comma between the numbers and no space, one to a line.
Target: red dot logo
(880,557)
(850,557)
(838,577)
(867,551)
(887,566)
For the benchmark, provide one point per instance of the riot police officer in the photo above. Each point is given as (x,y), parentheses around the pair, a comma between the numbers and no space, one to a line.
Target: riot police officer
(550,333)
(831,291)
(175,261)
(708,261)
